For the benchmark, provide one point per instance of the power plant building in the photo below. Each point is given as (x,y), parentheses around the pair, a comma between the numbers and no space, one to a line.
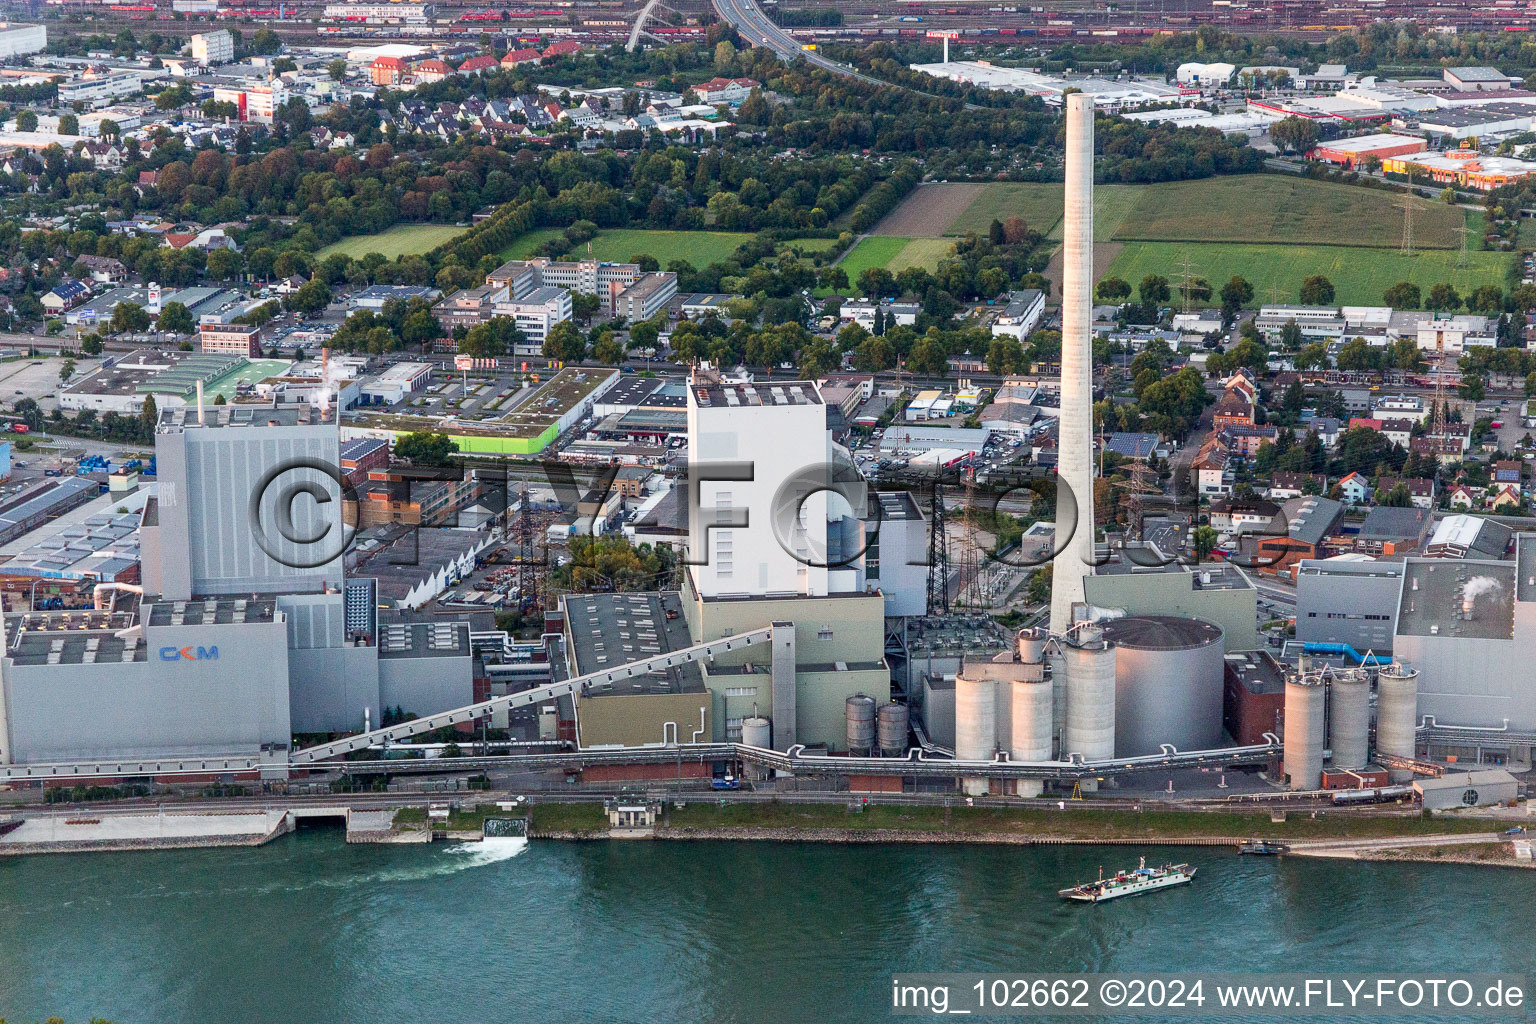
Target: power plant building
(1218,592)
(1348,601)
(229,651)
(1469,626)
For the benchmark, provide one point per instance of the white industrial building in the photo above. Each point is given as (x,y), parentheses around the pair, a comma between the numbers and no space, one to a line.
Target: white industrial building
(535,313)
(17,40)
(1108,94)
(1207,75)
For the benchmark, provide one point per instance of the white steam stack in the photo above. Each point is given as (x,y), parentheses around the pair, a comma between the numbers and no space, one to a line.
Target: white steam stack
(1075,441)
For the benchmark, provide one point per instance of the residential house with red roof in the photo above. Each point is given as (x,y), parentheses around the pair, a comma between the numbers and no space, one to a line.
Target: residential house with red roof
(725,90)
(480,63)
(432,71)
(526,55)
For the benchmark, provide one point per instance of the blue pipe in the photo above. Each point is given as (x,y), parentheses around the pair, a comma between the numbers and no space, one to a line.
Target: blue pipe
(1346,650)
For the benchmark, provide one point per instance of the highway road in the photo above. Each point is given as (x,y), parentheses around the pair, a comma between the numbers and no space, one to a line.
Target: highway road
(756,28)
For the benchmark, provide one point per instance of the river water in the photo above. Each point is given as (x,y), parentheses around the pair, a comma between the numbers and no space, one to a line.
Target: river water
(311,929)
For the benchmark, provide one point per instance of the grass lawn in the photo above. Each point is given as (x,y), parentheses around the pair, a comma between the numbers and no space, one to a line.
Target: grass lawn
(583,817)
(1277,208)
(1359,275)
(400,240)
(1084,824)
(874,251)
(621,245)
(921,252)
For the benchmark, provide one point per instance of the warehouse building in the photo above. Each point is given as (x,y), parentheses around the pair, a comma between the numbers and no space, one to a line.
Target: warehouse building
(1467,789)
(1349,153)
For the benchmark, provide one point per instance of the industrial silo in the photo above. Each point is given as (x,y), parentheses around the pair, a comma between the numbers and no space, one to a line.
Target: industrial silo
(1304,732)
(1032,645)
(1168,683)
(860,712)
(1090,717)
(975,725)
(1397,714)
(1057,665)
(756,731)
(1031,732)
(892,730)
(1349,718)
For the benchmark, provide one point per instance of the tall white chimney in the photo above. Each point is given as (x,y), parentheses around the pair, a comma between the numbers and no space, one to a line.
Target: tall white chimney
(1075,443)
(200,420)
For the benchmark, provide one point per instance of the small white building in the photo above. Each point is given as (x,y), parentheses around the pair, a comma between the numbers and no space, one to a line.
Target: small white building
(1197,74)
(1022,314)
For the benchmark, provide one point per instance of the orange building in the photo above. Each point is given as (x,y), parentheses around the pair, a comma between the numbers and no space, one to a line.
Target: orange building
(389,70)
(1466,168)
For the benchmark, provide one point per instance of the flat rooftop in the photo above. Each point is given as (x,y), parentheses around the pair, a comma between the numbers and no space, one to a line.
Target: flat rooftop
(1257,671)
(610,630)
(399,639)
(211,611)
(291,415)
(540,411)
(733,395)
(1436,595)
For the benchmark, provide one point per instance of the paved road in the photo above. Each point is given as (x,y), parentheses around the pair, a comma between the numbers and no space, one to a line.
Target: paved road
(757,29)
(1350,849)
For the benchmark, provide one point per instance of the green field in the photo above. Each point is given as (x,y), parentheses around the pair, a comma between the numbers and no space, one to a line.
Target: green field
(921,252)
(1039,203)
(1273,208)
(400,240)
(1360,275)
(874,251)
(621,245)
(1239,208)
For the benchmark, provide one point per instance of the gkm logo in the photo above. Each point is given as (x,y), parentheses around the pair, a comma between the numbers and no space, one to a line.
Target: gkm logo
(189,653)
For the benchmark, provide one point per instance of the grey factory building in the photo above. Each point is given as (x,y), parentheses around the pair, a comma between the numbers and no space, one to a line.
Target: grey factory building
(1348,601)
(1469,626)
(228,651)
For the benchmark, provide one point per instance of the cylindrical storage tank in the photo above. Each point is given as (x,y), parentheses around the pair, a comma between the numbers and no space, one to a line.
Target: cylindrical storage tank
(1304,732)
(1090,725)
(1349,719)
(860,711)
(975,726)
(1397,714)
(892,730)
(1168,683)
(1031,712)
(1032,645)
(756,731)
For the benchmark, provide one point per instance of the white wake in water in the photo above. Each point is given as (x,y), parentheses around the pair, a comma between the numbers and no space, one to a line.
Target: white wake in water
(439,863)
